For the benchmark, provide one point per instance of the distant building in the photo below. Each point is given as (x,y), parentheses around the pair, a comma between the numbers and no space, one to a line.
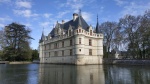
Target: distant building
(116,54)
(72,42)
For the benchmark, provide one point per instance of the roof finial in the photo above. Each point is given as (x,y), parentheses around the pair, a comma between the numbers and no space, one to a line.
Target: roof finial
(43,31)
(79,12)
(97,17)
(97,26)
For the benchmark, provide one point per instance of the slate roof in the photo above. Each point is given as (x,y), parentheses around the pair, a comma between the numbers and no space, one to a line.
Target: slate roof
(78,22)
(74,24)
(42,37)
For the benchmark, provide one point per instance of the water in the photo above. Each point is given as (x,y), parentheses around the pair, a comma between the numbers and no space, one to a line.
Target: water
(69,74)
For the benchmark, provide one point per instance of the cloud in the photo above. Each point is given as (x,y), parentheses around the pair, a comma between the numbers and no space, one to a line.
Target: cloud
(5,1)
(47,27)
(120,2)
(5,19)
(45,24)
(47,15)
(1,25)
(135,8)
(76,4)
(23,8)
(25,13)
(23,4)
(87,16)
(61,14)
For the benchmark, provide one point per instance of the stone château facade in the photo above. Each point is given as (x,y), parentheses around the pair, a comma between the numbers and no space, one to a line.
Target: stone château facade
(72,42)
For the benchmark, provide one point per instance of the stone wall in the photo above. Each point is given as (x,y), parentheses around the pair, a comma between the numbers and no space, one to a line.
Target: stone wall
(126,62)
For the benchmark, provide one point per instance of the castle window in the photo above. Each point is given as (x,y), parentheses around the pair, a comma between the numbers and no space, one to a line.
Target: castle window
(49,54)
(55,45)
(49,46)
(70,42)
(62,43)
(45,47)
(69,32)
(62,52)
(58,45)
(79,40)
(55,53)
(90,42)
(45,54)
(91,32)
(79,30)
(80,50)
(90,51)
(70,52)
(57,31)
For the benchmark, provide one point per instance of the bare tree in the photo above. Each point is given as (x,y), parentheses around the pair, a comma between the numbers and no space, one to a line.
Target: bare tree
(108,29)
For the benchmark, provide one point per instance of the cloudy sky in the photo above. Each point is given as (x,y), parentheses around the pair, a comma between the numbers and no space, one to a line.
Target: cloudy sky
(39,14)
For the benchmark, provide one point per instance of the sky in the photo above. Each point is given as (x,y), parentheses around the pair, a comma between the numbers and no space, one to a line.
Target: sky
(42,15)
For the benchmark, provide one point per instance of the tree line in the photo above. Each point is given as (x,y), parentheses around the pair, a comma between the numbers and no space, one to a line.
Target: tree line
(131,34)
(15,43)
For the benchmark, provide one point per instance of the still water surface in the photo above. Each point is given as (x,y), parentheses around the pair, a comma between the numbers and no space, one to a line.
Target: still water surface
(69,74)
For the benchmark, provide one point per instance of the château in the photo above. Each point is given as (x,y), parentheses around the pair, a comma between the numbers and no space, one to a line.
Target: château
(72,42)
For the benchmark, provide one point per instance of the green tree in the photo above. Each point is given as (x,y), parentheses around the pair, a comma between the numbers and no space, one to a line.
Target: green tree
(17,42)
(35,55)
(2,43)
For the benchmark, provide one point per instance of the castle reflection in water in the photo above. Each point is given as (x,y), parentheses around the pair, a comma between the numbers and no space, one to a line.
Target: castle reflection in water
(93,74)
(60,74)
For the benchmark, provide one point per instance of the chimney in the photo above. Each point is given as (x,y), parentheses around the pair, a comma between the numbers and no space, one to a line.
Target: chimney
(75,15)
(63,21)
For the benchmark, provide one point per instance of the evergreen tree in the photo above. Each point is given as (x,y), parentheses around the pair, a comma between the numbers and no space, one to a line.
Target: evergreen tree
(17,40)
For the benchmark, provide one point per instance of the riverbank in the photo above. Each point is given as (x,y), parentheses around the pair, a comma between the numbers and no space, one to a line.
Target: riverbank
(105,61)
(4,62)
(21,62)
(17,62)
(126,62)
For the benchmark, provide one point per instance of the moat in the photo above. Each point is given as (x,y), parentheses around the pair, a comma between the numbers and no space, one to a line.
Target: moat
(70,74)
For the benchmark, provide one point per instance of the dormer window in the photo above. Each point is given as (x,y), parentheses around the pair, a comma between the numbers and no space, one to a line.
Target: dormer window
(91,32)
(79,30)
(57,31)
(69,32)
